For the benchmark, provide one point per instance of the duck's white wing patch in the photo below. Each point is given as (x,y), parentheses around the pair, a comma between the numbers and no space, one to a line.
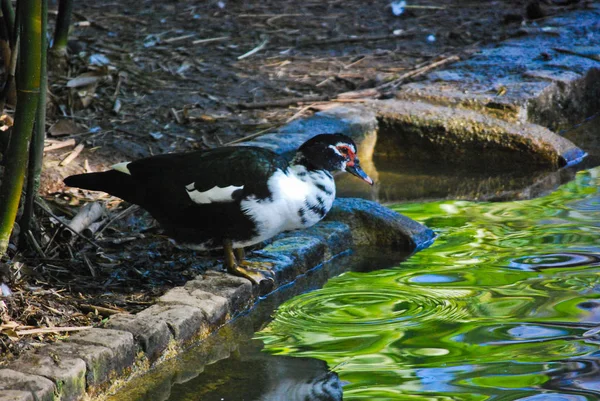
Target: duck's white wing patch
(215,194)
(122,167)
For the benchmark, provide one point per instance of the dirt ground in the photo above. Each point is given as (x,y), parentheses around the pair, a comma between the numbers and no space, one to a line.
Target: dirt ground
(151,77)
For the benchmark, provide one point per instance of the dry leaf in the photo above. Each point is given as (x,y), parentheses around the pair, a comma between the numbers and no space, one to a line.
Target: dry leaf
(87,79)
(64,127)
(86,95)
(7,122)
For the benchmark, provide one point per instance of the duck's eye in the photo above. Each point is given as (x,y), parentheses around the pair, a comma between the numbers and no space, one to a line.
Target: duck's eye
(343,150)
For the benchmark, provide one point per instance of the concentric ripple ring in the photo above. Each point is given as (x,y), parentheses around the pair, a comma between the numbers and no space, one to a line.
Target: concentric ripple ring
(335,308)
(555,260)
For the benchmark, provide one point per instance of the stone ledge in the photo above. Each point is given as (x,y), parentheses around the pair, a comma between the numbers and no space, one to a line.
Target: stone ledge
(120,343)
(68,374)
(99,361)
(151,334)
(536,78)
(19,386)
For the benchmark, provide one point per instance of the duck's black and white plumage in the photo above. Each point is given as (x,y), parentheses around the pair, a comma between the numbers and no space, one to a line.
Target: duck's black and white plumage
(231,197)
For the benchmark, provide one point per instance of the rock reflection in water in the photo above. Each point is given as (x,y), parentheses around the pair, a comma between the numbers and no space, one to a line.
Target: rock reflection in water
(579,375)
(251,375)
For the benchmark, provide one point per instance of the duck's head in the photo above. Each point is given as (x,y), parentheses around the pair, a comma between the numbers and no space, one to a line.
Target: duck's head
(331,152)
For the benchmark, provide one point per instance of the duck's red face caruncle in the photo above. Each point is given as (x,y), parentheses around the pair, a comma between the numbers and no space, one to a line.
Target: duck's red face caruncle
(348,152)
(331,152)
(351,162)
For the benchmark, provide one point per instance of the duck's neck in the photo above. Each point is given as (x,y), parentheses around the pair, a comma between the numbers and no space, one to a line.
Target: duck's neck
(311,175)
(316,196)
(300,160)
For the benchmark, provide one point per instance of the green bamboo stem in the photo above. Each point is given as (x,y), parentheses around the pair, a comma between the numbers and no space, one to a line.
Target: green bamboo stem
(8,14)
(8,91)
(61,32)
(36,150)
(5,38)
(28,89)
(9,84)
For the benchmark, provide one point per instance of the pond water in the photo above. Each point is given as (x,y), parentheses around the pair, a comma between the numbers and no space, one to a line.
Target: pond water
(504,305)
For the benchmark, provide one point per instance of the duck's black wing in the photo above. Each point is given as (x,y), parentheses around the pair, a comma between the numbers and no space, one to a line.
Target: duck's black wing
(175,180)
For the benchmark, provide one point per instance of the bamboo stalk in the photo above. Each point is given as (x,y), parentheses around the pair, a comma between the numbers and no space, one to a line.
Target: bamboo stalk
(61,32)
(28,88)
(8,14)
(5,38)
(36,150)
(9,84)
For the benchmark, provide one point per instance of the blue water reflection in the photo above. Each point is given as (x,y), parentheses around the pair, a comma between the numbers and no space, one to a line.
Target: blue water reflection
(504,306)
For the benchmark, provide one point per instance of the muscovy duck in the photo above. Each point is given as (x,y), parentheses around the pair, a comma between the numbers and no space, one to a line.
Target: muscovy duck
(232,197)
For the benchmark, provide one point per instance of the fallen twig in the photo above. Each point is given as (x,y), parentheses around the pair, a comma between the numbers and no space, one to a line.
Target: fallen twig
(46,330)
(354,39)
(284,102)
(594,55)
(86,215)
(100,309)
(299,113)
(210,40)
(414,73)
(55,217)
(247,138)
(273,15)
(93,23)
(179,38)
(59,145)
(255,50)
(125,212)
(361,94)
(425,7)
(72,155)
(35,244)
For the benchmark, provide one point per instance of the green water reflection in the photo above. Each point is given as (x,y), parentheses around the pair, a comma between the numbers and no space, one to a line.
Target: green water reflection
(503,306)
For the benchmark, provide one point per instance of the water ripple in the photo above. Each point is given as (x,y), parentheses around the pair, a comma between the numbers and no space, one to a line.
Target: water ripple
(330,309)
(504,305)
(555,260)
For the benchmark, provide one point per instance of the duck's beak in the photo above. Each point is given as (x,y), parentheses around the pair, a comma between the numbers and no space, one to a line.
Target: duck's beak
(355,169)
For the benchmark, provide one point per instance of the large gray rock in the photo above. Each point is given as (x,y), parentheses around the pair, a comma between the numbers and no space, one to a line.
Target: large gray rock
(356,122)
(374,225)
(418,130)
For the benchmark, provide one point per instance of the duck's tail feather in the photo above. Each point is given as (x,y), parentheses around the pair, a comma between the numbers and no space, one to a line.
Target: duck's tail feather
(113,182)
